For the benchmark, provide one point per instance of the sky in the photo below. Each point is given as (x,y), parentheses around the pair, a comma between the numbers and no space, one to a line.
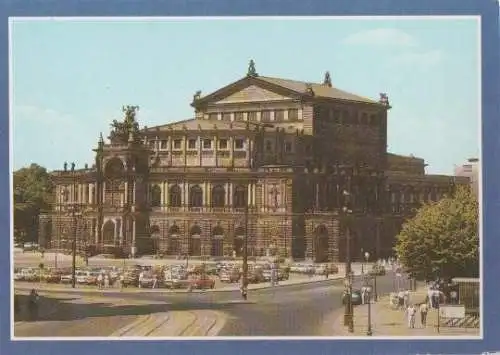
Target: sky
(71,78)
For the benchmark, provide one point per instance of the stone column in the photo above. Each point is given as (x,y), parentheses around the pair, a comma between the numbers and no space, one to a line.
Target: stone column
(116,231)
(254,188)
(249,197)
(185,194)
(133,232)
(230,195)
(209,193)
(227,194)
(231,150)
(166,195)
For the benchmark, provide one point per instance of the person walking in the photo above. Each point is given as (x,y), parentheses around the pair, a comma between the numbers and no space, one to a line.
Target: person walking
(141,276)
(406,299)
(155,281)
(106,281)
(401,298)
(424,308)
(122,281)
(411,311)
(99,281)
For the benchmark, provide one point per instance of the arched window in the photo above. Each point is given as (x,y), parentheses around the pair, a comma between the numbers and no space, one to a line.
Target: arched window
(240,196)
(174,230)
(175,196)
(155,196)
(195,196)
(218,196)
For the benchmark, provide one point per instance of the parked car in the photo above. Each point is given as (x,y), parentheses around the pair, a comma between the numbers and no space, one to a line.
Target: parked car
(148,279)
(131,278)
(229,276)
(81,277)
(54,276)
(378,270)
(202,282)
(355,298)
(283,274)
(66,278)
(256,275)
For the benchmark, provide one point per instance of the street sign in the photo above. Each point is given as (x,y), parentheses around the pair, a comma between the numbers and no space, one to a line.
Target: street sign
(452,311)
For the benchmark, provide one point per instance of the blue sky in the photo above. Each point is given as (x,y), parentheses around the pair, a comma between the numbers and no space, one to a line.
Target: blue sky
(71,78)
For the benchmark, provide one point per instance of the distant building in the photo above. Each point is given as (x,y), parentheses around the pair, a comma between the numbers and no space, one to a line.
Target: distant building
(471,170)
(267,159)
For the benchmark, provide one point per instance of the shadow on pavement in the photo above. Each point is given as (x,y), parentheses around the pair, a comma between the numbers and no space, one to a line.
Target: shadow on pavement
(61,309)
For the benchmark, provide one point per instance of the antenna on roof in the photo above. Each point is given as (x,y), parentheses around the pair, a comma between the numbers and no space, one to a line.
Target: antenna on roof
(327,80)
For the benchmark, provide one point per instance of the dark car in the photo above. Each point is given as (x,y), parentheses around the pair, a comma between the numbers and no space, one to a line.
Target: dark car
(377,270)
(355,297)
(131,278)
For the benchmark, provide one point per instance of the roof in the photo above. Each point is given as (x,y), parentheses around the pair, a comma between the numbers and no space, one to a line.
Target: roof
(294,87)
(320,90)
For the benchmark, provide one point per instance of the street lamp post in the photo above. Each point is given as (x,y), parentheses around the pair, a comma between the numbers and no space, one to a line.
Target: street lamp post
(244,281)
(348,315)
(362,263)
(369,330)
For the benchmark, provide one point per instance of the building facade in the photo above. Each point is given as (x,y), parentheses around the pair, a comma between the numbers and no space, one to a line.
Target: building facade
(471,170)
(267,159)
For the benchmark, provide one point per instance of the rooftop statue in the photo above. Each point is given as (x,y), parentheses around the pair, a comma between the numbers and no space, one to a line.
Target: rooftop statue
(122,130)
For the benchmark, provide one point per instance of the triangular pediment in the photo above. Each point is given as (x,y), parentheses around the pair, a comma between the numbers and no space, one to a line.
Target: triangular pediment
(253,93)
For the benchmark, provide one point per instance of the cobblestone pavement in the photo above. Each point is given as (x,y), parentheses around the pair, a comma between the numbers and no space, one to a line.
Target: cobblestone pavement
(388,321)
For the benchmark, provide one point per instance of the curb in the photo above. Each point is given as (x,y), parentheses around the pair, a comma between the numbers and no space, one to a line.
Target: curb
(145,290)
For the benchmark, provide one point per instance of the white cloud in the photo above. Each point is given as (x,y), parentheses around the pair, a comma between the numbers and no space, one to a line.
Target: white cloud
(418,60)
(29,113)
(382,37)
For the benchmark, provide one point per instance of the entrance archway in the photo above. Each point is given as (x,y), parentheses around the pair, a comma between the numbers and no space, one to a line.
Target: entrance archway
(217,241)
(321,244)
(239,240)
(194,243)
(108,233)
(173,240)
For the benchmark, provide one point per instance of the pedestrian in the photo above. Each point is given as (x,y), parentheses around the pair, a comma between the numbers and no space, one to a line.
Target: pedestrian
(33,304)
(453,297)
(406,298)
(435,299)
(327,272)
(141,276)
(155,281)
(424,308)
(106,281)
(401,300)
(122,281)
(99,281)
(410,312)
(363,295)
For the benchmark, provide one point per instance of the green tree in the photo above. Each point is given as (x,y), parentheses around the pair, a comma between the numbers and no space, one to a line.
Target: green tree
(443,238)
(32,193)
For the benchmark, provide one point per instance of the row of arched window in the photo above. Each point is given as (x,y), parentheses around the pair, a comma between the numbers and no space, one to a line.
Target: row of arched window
(195,196)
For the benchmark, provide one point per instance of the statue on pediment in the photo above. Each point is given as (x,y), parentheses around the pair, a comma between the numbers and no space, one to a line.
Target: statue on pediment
(309,89)
(197,95)
(251,69)
(328,80)
(384,99)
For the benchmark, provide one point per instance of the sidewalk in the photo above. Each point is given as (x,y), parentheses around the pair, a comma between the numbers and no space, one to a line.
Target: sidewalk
(297,280)
(387,321)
